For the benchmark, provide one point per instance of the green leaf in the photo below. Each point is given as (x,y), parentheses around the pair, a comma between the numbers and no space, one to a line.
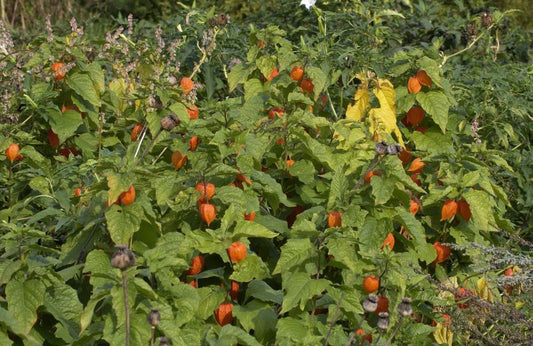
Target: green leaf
(293,253)
(436,104)
(338,187)
(88,143)
(481,207)
(123,222)
(300,289)
(87,315)
(23,299)
(432,69)
(237,75)
(210,299)
(230,335)
(425,251)
(318,77)
(382,189)
(65,124)
(304,170)
(433,142)
(251,229)
(262,291)
(83,85)
(98,265)
(259,317)
(117,184)
(252,267)
(62,302)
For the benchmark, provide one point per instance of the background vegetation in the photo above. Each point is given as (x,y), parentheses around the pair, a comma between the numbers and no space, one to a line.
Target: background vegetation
(308,199)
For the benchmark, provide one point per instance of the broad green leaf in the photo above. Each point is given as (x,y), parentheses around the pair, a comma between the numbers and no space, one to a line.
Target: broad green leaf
(259,317)
(230,335)
(293,253)
(481,207)
(87,315)
(237,75)
(433,142)
(252,267)
(83,85)
(432,69)
(210,299)
(139,334)
(251,229)
(117,184)
(304,170)
(88,143)
(300,290)
(62,302)
(123,222)
(338,188)
(436,104)
(65,124)
(425,251)
(23,299)
(318,77)
(382,189)
(262,291)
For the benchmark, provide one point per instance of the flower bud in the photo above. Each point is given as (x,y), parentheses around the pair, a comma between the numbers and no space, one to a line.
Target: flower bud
(122,258)
(153,317)
(381,148)
(383,321)
(405,308)
(370,304)
(169,122)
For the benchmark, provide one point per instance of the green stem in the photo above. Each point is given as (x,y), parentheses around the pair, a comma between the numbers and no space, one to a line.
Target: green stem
(126,307)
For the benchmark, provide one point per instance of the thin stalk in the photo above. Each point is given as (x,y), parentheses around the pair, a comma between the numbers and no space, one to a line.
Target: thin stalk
(334,319)
(149,146)
(204,54)
(395,330)
(474,41)
(352,334)
(152,337)
(126,307)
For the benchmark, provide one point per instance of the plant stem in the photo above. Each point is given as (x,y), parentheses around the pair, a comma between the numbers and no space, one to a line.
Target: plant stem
(352,334)
(470,45)
(152,337)
(204,54)
(149,146)
(126,307)
(334,319)
(395,330)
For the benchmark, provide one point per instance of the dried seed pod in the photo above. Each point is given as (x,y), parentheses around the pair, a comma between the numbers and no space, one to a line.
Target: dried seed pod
(169,122)
(223,19)
(394,149)
(212,22)
(381,148)
(471,30)
(163,341)
(405,308)
(153,317)
(122,258)
(370,304)
(383,321)
(486,19)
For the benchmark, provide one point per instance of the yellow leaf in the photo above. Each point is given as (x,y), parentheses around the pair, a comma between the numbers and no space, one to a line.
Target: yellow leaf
(362,102)
(383,119)
(443,335)
(483,290)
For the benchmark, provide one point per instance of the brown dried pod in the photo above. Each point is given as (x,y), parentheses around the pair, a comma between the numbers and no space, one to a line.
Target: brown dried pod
(169,122)
(153,317)
(486,19)
(370,304)
(405,308)
(223,19)
(471,30)
(163,341)
(122,258)
(383,321)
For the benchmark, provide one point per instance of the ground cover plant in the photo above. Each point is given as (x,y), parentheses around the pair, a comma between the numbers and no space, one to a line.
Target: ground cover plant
(359,175)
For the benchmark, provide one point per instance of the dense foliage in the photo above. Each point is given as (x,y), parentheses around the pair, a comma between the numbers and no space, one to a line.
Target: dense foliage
(361,173)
